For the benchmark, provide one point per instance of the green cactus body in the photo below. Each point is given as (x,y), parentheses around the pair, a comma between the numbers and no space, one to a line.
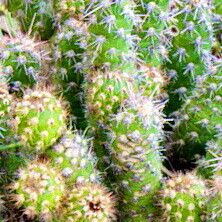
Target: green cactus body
(5,108)
(70,43)
(154,20)
(34,15)
(182,199)
(73,157)
(200,117)
(110,26)
(189,54)
(39,189)
(39,120)
(214,211)
(135,135)
(21,59)
(89,202)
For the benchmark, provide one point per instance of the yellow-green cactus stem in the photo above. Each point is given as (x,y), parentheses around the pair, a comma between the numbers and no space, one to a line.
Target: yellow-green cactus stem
(73,157)
(136,132)
(39,189)
(39,119)
(190,50)
(89,202)
(36,16)
(182,198)
(214,210)
(154,18)
(21,59)
(111,42)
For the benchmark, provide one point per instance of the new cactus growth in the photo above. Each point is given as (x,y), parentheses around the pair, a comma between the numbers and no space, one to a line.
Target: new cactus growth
(135,135)
(36,16)
(89,202)
(21,59)
(214,211)
(183,198)
(189,53)
(39,120)
(74,158)
(39,189)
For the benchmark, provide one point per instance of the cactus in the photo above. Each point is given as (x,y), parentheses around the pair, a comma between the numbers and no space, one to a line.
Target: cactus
(214,211)
(154,18)
(89,202)
(197,122)
(36,16)
(135,135)
(111,44)
(70,42)
(189,54)
(182,198)
(39,189)
(21,59)
(39,120)
(75,160)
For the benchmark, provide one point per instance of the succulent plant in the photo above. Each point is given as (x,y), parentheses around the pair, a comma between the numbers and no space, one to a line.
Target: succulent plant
(39,189)
(183,198)
(136,132)
(21,59)
(39,120)
(36,16)
(72,155)
(89,202)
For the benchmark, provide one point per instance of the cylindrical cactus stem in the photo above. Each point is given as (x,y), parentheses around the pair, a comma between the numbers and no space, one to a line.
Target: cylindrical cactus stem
(200,119)
(189,54)
(39,189)
(69,48)
(214,211)
(111,42)
(39,119)
(88,202)
(36,17)
(5,109)
(154,18)
(73,157)
(136,132)
(21,59)
(183,198)
(105,92)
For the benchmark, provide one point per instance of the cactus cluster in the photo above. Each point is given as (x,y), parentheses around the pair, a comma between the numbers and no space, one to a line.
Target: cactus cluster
(110,110)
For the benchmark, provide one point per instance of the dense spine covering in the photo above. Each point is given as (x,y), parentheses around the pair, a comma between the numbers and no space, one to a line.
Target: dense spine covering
(21,59)
(74,158)
(136,132)
(39,189)
(39,120)
(88,202)
(70,43)
(182,199)
(153,20)
(189,53)
(200,118)
(111,42)
(36,16)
